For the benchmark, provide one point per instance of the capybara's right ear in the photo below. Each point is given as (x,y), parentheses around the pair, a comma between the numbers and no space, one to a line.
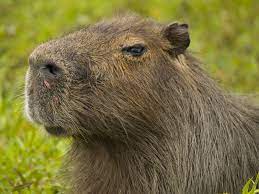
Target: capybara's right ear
(178,36)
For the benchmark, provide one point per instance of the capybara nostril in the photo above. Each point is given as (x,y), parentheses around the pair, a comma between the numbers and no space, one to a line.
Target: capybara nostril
(49,69)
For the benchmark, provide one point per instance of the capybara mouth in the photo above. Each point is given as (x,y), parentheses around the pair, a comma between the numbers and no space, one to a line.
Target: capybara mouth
(57,131)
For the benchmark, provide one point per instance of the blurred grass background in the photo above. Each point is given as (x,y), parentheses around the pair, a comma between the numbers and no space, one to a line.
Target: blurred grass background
(224,34)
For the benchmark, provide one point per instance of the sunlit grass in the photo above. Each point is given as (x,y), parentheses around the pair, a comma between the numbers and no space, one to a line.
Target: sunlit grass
(251,187)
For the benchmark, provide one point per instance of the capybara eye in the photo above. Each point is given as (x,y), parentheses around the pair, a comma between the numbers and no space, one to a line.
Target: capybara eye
(135,50)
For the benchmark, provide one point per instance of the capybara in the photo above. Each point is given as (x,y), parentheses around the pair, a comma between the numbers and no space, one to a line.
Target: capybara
(143,115)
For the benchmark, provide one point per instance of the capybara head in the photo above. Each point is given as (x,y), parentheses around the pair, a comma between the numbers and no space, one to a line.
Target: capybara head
(107,74)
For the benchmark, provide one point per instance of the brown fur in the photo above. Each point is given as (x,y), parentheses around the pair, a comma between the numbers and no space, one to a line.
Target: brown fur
(155,123)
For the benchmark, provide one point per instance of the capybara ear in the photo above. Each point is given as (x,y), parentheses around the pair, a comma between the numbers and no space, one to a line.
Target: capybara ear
(178,36)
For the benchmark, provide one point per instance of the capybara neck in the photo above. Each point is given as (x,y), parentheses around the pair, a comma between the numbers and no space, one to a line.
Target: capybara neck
(116,167)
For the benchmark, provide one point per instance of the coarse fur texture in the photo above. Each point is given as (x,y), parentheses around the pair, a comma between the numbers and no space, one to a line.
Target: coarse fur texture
(147,120)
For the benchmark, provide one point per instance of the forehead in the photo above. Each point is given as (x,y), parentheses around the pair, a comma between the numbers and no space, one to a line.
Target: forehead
(128,23)
(117,27)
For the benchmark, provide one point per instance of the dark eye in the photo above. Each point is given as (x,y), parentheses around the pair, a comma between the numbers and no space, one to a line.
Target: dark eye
(135,50)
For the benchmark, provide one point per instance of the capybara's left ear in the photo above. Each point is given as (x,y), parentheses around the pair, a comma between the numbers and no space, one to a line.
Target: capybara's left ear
(178,36)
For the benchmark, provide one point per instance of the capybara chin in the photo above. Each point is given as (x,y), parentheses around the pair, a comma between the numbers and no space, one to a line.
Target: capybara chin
(143,115)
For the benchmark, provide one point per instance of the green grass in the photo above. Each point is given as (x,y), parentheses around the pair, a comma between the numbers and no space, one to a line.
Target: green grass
(223,33)
(251,186)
